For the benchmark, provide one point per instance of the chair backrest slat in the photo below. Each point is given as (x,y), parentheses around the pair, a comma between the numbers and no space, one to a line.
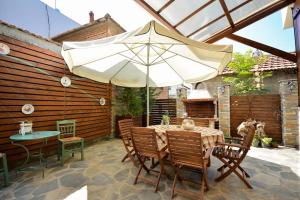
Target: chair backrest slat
(125,126)
(144,141)
(185,147)
(203,122)
(249,137)
(66,127)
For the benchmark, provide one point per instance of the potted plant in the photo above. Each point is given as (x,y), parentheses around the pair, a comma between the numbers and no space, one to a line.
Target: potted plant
(166,119)
(256,141)
(274,144)
(266,142)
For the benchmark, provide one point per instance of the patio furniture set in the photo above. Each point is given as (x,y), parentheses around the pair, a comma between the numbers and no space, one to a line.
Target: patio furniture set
(68,144)
(183,149)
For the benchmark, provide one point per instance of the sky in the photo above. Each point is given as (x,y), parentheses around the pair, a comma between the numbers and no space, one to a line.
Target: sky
(131,16)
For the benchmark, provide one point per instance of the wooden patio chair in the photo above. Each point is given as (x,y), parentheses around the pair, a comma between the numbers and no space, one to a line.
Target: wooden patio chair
(186,150)
(125,126)
(68,142)
(232,155)
(203,122)
(146,148)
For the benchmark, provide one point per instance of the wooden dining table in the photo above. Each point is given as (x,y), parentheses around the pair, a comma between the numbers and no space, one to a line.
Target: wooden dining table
(210,136)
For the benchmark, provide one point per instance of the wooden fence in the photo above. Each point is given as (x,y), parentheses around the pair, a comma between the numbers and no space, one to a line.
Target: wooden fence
(40,85)
(160,107)
(265,108)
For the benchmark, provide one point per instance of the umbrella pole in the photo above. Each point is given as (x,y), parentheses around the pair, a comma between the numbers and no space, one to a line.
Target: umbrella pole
(147,82)
(148,103)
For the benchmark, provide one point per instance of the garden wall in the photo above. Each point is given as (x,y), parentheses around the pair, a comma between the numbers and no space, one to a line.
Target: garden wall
(265,108)
(31,75)
(160,107)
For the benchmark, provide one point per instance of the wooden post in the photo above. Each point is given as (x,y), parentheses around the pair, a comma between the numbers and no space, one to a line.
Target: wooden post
(296,18)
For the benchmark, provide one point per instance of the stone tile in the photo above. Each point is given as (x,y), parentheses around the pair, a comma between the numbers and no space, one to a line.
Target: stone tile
(79,164)
(102,179)
(46,187)
(149,195)
(274,175)
(122,175)
(73,180)
(22,191)
(289,176)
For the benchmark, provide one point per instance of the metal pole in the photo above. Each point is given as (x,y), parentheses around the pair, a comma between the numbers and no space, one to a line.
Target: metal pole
(147,84)
(148,103)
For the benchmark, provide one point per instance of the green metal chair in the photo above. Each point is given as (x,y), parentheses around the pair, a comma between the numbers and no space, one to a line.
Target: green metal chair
(4,169)
(68,142)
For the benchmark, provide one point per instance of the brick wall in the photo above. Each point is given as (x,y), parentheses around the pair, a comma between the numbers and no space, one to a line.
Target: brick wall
(100,28)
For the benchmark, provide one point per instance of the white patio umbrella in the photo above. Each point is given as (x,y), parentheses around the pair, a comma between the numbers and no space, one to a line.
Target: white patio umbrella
(151,56)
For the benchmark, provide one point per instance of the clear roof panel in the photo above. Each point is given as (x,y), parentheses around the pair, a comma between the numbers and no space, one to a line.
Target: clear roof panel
(156,4)
(232,4)
(209,31)
(178,10)
(209,13)
(249,9)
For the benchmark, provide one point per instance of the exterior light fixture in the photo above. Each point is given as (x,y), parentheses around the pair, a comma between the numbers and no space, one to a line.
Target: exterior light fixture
(291,85)
(4,49)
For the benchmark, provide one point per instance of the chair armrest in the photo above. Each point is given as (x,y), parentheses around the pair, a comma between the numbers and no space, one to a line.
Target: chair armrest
(234,139)
(208,153)
(232,145)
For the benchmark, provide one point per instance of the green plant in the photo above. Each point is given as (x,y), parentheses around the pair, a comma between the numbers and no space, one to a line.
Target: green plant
(153,93)
(244,81)
(133,101)
(166,119)
(256,141)
(128,101)
(274,144)
(266,142)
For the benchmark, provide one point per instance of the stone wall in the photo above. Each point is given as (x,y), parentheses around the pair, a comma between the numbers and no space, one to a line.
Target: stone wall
(224,109)
(288,90)
(180,107)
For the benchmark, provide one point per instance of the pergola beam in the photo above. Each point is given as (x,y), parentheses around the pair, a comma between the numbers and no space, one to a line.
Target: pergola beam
(263,47)
(249,20)
(155,14)
(227,14)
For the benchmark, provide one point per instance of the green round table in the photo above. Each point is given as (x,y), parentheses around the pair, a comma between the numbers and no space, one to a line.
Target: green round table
(36,135)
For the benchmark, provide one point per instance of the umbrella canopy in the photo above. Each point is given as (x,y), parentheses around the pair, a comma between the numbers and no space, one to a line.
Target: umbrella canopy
(151,56)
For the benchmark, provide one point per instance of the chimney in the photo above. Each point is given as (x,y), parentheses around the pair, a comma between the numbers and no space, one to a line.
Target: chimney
(91,16)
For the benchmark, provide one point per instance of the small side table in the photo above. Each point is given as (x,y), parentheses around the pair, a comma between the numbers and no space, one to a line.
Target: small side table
(37,135)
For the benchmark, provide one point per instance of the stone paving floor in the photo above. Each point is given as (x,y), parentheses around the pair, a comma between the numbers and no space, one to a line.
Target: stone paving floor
(275,174)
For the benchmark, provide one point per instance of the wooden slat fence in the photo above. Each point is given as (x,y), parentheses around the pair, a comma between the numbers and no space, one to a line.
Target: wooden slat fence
(264,108)
(160,107)
(40,85)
